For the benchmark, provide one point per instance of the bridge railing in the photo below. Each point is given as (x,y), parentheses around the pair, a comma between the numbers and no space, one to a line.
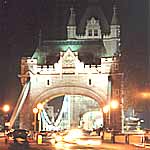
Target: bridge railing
(140,139)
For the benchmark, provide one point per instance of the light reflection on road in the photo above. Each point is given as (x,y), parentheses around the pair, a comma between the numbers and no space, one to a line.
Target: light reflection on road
(69,146)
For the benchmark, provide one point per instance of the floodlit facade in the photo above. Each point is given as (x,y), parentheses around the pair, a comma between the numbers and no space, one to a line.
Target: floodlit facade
(87,63)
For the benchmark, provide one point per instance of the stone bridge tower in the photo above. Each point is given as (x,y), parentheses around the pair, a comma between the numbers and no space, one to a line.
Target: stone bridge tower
(86,63)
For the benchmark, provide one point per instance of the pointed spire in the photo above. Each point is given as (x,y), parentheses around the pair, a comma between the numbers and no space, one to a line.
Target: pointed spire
(115,20)
(72,21)
(40,39)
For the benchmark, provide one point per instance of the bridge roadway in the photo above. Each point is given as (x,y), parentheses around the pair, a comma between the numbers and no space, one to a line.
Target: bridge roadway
(64,146)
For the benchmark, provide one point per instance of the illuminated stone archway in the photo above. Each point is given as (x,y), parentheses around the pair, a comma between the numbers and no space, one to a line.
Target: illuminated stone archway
(27,119)
(60,91)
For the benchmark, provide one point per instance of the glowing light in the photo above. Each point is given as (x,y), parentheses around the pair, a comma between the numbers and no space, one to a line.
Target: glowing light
(106,109)
(40,106)
(35,110)
(114,104)
(6,108)
(73,135)
(145,94)
(89,142)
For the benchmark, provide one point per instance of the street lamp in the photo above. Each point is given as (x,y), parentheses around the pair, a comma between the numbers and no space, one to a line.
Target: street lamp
(35,111)
(145,95)
(114,104)
(106,109)
(39,107)
(5,109)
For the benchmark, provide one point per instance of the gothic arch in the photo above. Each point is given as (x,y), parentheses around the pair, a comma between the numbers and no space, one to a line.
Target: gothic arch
(70,90)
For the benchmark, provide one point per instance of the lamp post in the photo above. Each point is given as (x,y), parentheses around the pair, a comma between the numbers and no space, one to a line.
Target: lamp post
(39,107)
(35,111)
(5,109)
(114,104)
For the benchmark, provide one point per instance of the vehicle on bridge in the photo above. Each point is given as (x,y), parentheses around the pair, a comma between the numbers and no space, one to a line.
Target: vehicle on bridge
(17,140)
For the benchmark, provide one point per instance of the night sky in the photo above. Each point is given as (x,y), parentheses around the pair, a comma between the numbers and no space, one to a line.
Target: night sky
(21,20)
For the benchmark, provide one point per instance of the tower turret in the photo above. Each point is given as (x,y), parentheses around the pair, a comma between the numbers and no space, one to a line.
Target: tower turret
(115,20)
(115,31)
(71,27)
(112,41)
(115,27)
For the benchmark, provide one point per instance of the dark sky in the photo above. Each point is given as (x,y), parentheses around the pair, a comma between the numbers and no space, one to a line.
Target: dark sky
(21,20)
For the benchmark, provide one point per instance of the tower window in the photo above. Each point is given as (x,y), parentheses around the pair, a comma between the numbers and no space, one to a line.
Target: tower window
(90,32)
(116,66)
(95,32)
(90,81)
(48,83)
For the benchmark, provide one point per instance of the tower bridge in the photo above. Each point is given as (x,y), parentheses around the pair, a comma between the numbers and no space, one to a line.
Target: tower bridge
(86,65)
(46,83)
